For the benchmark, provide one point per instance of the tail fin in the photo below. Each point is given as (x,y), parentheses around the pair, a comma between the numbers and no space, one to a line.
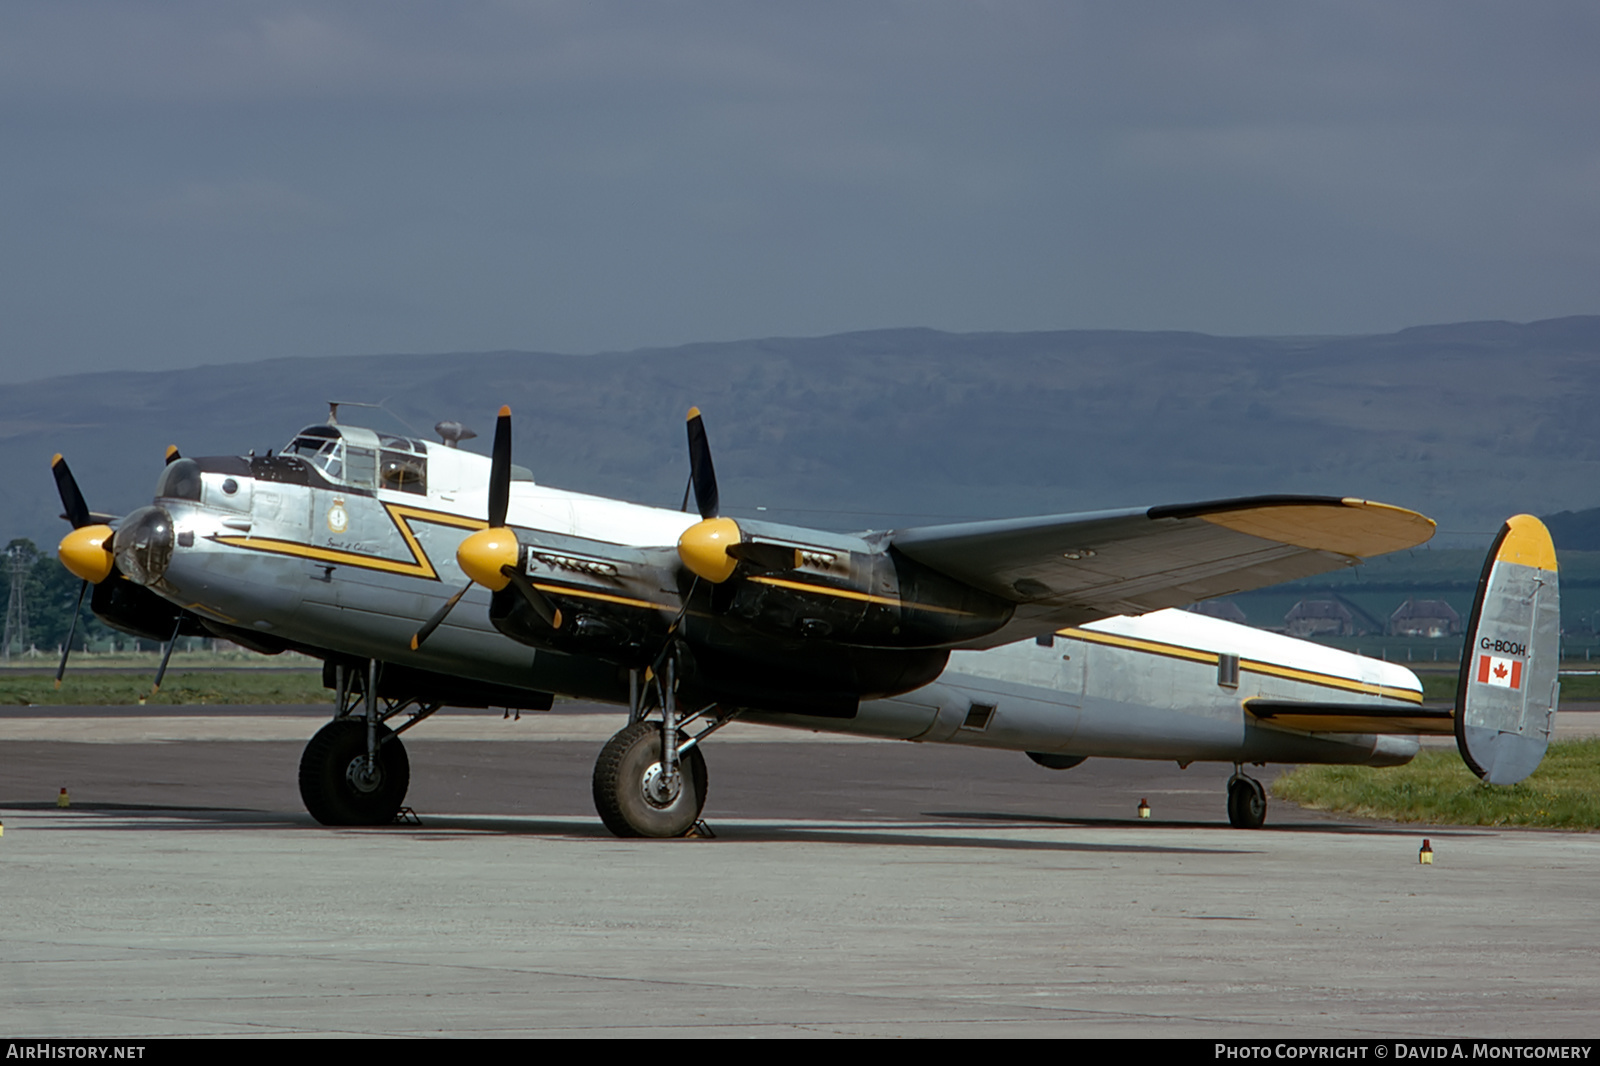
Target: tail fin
(1506,700)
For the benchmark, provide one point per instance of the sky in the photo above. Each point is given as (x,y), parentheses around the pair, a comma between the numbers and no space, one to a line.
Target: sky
(189,182)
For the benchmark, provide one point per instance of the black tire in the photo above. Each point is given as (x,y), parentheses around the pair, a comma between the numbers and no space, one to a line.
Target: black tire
(1247,803)
(619,785)
(327,784)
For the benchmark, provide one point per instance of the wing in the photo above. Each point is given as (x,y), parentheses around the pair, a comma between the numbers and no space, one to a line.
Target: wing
(1065,570)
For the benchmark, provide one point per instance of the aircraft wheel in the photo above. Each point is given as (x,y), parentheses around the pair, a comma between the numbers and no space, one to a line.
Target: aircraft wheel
(630,794)
(336,784)
(1247,803)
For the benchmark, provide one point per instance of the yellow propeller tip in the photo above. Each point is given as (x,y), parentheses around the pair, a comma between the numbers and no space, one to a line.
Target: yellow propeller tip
(413,642)
(172,450)
(57,460)
(556,622)
(505,411)
(694,413)
(58,683)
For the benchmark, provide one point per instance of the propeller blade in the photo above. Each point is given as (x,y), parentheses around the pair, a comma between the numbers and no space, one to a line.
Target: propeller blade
(166,656)
(72,631)
(172,454)
(72,501)
(702,475)
(500,471)
(437,619)
(537,600)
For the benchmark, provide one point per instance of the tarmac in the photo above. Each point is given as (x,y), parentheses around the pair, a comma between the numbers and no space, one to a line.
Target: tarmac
(852,888)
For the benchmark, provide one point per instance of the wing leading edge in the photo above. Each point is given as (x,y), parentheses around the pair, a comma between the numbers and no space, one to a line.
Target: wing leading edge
(1065,570)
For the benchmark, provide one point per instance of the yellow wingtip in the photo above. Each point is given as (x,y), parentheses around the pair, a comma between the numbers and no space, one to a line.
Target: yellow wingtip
(1358,528)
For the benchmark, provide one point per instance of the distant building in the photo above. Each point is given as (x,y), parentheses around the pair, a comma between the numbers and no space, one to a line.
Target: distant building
(1424,618)
(1226,610)
(1319,618)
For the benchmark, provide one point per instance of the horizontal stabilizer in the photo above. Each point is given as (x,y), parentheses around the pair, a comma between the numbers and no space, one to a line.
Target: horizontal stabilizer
(1353,717)
(1509,687)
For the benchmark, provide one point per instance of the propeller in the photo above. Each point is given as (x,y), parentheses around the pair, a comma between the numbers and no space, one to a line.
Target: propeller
(490,556)
(85,552)
(714,547)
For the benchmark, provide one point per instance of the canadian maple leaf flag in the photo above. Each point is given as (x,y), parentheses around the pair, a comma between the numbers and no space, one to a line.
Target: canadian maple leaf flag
(1493,670)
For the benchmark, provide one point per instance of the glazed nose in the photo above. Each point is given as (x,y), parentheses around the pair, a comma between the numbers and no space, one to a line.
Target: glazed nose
(143,545)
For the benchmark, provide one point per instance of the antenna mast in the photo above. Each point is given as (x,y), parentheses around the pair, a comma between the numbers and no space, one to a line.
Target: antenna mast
(17,605)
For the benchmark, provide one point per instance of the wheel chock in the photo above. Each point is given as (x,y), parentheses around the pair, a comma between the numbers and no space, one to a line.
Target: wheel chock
(406,816)
(1144,808)
(700,831)
(63,800)
(1425,856)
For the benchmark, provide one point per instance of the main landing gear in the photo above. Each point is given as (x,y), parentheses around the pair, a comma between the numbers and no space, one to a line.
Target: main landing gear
(1247,801)
(355,770)
(650,779)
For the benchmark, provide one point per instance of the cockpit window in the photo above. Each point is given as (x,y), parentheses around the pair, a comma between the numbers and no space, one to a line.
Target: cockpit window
(307,447)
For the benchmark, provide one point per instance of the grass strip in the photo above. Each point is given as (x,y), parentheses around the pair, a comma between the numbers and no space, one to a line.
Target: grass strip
(1437,788)
(187,687)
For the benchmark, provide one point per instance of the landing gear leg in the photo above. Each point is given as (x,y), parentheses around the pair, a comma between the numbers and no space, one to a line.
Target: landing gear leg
(1247,801)
(650,779)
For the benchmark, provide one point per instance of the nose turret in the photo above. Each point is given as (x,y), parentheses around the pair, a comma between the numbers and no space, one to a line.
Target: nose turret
(143,545)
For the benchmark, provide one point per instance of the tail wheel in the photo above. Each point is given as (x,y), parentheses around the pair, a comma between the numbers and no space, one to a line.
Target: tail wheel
(1247,803)
(338,783)
(632,795)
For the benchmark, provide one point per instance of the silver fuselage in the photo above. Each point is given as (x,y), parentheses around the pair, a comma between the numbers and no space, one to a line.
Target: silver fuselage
(354,570)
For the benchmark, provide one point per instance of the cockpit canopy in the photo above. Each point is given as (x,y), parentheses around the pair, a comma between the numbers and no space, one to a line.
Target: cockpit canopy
(362,459)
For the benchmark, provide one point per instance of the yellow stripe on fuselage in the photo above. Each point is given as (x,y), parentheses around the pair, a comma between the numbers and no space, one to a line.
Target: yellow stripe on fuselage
(1178,651)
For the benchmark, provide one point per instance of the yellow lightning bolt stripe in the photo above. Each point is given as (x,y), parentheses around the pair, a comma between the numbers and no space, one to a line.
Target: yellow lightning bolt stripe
(402,515)
(419,565)
(851,594)
(1177,651)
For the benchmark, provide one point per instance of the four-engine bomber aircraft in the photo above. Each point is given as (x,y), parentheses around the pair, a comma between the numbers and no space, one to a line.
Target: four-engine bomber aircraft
(1001,633)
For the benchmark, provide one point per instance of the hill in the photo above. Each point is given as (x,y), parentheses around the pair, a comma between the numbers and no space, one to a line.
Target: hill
(1467,422)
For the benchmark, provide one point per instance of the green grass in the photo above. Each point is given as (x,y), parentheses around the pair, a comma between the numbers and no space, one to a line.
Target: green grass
(1441,684)
(1437,788)
(186,687)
